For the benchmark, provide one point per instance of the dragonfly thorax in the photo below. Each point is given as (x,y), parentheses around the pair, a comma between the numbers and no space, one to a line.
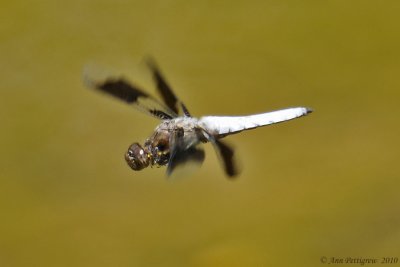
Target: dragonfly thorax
(156,149)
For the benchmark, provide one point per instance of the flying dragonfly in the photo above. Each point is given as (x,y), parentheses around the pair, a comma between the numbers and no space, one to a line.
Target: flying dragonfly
(176,140)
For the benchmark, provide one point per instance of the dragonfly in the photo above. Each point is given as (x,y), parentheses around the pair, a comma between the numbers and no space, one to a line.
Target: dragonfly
(177,139)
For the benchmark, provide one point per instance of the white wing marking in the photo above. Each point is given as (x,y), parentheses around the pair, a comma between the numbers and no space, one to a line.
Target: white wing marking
(231,124)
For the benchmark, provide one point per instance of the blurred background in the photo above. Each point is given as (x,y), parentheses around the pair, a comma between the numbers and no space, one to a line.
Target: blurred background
(323,185)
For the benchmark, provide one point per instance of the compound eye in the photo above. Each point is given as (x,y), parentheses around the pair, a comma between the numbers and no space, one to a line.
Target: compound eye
(130,153)
(136,157)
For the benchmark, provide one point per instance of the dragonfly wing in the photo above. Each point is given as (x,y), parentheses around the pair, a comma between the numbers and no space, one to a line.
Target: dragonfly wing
(165,89)
(226,155)
(130,94)
(181,154)
(224,125)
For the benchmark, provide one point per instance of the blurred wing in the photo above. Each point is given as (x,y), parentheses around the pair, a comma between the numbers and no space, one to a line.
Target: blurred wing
(192,157)
(181,156)
(165,90)
(226,154)
(131,94)
(224,125)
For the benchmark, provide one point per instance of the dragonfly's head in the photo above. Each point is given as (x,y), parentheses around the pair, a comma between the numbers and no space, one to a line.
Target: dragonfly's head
(136,157)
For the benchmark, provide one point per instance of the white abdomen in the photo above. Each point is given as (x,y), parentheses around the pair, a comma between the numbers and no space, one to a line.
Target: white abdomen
(223,125)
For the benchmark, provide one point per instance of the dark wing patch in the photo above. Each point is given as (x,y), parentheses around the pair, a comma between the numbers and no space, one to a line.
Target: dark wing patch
(122,90)
(227,155)
(185,110)
(180,155)
(193,155)
(165,90)
(131,94)
(161,114)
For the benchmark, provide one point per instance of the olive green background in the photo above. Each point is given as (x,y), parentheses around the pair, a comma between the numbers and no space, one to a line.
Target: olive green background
(323,185)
